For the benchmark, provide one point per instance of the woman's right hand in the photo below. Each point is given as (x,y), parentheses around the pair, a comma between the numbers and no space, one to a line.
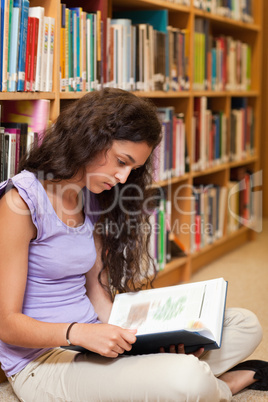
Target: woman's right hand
(105,339)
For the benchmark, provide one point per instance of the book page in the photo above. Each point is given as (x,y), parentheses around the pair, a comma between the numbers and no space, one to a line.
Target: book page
(165,309)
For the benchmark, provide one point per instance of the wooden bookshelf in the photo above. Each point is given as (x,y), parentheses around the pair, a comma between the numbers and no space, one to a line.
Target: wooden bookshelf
(182,17)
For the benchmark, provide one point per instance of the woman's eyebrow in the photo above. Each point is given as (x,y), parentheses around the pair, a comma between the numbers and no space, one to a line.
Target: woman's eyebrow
(130,158)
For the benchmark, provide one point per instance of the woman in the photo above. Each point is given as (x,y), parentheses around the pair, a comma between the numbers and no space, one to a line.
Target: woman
(58,274)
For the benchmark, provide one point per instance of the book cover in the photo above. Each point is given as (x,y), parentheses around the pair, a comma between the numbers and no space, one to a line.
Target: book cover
(22,44)
(23,127)
(38,12)
(34,54)
(50,54)
(14,45)
(5,43)
(191,314)
(16,157)
(62,48)
(28,55)
(45,51)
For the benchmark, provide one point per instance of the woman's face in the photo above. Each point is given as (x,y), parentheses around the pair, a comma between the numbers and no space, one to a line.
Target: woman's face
(114,166)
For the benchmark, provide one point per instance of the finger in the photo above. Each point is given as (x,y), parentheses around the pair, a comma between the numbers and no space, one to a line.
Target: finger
(181,349)
(117,349)
(128,336)
(199,352)
(172,349)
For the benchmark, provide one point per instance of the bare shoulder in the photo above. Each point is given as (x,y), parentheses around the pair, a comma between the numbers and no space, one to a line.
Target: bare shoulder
(14,213)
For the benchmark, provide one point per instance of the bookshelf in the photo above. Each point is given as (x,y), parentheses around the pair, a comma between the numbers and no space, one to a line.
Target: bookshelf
(182,17)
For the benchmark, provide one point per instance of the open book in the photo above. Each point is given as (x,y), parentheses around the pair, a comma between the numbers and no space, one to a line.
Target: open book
(191,314)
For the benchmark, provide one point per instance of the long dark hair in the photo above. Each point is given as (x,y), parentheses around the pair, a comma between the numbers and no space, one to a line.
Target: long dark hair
(82,131)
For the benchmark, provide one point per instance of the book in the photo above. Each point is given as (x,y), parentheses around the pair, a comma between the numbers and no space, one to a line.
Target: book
(22,44)
(38,12)
(35,113)
(50,54)
(13,48)
(191,314)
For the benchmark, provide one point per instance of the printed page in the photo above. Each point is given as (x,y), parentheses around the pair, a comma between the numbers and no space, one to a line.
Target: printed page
(165,309)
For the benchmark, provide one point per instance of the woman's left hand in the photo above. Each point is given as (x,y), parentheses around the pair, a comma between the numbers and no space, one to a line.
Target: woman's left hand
(179,349)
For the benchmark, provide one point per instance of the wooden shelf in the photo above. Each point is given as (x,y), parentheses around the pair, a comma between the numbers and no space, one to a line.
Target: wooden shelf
(180,16)
(26,95)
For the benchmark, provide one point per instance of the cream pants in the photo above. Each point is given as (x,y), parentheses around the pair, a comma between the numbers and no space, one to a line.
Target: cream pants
(62,375)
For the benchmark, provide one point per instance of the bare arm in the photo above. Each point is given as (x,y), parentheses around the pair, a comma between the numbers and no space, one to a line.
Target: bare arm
(96,293)
(16,232)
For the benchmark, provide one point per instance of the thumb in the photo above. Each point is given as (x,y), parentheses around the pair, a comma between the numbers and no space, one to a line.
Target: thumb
(133,331)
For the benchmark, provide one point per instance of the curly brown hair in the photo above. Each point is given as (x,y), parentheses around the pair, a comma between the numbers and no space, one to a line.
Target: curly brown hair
(82,131)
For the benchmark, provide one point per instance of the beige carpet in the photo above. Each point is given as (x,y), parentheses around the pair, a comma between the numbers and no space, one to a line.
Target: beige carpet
(246,270)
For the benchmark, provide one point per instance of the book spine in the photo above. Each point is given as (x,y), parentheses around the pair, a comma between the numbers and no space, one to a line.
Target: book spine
(38,12)
(9,39)
(44,66)
(66,50)
(28,53)
(22,44)
(5,45)
(13,59)
(51,40)
(34,54)
(62,48)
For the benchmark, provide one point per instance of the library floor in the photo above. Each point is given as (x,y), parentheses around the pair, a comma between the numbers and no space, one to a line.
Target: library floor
(246,270)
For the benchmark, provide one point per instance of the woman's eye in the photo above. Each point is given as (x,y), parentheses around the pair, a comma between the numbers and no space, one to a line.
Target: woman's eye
(120,162)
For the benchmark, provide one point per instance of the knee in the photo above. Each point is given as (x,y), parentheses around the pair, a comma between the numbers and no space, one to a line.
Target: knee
(190,379)
(248,324)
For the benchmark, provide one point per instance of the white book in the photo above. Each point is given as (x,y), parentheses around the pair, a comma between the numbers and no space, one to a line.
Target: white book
(38,12)
(11,139)
(191,314)
(44,65)
(50,54)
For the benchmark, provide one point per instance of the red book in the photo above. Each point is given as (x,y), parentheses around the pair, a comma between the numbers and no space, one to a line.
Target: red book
(34,53)
(28,54)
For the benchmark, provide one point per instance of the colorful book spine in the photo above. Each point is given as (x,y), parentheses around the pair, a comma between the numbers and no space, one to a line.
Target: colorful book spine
(14,45)
(22,44)
(38,12)
(51,41)
(5,11)
(62,49)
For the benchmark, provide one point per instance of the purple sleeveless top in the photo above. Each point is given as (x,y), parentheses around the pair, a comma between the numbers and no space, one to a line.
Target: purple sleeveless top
(59,257)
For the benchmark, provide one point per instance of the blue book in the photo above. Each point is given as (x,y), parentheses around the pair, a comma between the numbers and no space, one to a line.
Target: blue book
(71,63)
(22,44)
(2,40)
(157,18)
(14,46)
(76,11)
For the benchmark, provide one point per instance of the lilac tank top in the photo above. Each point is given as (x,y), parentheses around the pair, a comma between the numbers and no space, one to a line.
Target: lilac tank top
(59,257)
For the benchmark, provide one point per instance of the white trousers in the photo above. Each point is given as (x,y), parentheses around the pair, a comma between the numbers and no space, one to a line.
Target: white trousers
(62,375)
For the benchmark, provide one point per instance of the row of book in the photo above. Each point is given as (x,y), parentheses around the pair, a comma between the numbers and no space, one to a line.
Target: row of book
(15,141)
(211,143)
(242,201)
(136,50)
(171,156)
(220,63)
(23,124)
(240,10)
(27,47)
(207,215)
